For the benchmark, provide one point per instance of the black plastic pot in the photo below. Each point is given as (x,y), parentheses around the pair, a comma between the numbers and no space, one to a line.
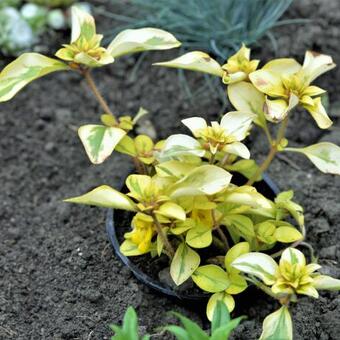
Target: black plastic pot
(267,187)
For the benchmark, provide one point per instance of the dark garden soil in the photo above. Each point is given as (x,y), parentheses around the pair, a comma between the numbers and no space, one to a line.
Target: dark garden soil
(58,276)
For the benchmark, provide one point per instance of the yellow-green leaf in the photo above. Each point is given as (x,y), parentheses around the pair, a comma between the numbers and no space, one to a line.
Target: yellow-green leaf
(172,210)
(278,326)
(184,263)
(128,248)
(105,196)
(287,234)
(246,167)
(325,156)
(141,39)
(138,184)
(23,70)
(127,146)
(243,224)
(211,278)
(174,168)
(227,299)
(199,237)
(237,283)
(195,61)
(99,141)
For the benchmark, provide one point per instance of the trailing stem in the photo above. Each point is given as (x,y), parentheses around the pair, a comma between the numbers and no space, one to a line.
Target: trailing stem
(274,149)
(221,234)
(163,236)
(96,92)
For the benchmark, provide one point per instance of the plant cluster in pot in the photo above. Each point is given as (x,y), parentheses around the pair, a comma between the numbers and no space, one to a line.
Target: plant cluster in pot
(184,199)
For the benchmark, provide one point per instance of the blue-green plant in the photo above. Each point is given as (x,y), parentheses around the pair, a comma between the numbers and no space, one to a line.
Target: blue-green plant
(217,26)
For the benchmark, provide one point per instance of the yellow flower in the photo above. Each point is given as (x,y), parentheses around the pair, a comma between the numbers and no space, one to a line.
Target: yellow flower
(239,66)
(286,84)
(85,46)
(291,277)
(223,136)
(142,233)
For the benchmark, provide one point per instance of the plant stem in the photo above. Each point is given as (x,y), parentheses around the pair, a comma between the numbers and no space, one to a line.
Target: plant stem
(223,238)
(138,165)
(218,243)
(96,92)
(163,236)
(272,152)
(269,137)
(262,286)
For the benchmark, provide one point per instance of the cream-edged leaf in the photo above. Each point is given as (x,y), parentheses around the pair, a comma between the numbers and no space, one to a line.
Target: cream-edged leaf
(316,64)
(247,195)
(278,326)
(99,141)
(105,196)
(260,265)
(184,263)
(284,66)
(268,82)
(276,110)
(174,168)
(195,61)
(325,156)
(138,185)
(318,112)
(83,25)
(326,282)
(180,145)
(195,124)
(245,97)
(234,252)
(141,39)
(23,70)
(203,180)
(237,123)
(238,149)
(293,256)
